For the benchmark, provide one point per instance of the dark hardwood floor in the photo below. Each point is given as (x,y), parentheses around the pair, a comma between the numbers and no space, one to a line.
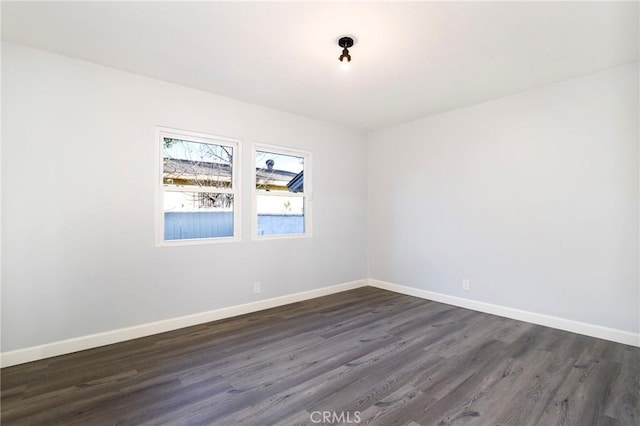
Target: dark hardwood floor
(367,354)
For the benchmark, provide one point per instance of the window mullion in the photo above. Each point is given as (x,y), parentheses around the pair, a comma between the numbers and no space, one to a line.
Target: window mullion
(281,193)
(211,190)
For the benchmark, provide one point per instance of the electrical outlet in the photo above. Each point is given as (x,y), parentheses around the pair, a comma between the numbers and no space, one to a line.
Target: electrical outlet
(256,287)
(465,285)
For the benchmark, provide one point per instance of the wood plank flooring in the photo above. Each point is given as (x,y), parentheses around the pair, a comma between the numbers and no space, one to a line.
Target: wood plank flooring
(365,356)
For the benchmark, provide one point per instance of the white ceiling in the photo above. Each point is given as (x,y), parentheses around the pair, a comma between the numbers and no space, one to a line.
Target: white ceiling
(410,59)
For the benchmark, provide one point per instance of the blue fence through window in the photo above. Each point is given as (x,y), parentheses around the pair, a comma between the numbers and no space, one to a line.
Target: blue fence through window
(188,225)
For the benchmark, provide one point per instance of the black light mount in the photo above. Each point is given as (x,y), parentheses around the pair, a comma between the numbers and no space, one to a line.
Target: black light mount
(345,42)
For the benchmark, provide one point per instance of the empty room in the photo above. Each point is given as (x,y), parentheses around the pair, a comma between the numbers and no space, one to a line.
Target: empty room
(320,213)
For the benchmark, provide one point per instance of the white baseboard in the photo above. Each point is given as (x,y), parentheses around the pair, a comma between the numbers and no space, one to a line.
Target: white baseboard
(35,353)
(587,329)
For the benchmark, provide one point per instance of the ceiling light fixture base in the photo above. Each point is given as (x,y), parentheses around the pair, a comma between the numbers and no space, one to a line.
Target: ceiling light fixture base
(346,42)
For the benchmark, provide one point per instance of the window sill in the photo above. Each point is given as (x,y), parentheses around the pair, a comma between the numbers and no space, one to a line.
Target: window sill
(280,237)
(197,241)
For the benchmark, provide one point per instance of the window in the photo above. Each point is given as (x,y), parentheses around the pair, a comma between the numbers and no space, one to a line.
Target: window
(282,192)
(199,188)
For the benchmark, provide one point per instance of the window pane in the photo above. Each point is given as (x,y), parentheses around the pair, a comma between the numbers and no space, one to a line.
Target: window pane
(196,164)
(279,215)
(279,172)
(189,215)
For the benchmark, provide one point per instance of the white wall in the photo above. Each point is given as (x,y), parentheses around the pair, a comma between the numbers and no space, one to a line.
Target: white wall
(78,182)
(533,198)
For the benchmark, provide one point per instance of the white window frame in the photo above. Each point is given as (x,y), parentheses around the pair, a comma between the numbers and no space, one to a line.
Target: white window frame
(306,195)
(236,182)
